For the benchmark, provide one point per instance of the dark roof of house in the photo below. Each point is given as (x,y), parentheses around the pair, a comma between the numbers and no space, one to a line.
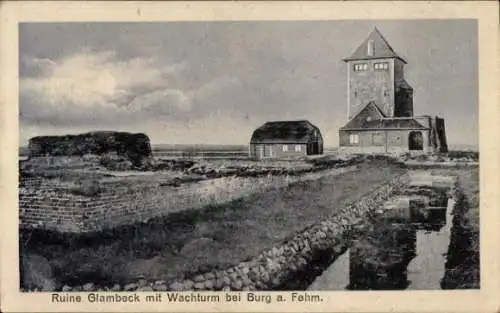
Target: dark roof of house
(301,131)
(386,123)
(381,49)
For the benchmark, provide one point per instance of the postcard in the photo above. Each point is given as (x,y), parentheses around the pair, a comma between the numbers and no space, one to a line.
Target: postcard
(250,156)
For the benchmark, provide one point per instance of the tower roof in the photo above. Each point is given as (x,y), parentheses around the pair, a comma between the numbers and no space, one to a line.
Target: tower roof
(380,48)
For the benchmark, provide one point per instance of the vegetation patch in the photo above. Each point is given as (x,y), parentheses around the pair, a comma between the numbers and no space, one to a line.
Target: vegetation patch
(457,156)
(463,258)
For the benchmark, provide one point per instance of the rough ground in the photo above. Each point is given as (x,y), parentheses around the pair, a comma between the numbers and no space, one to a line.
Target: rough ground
(462,266)
(218,236)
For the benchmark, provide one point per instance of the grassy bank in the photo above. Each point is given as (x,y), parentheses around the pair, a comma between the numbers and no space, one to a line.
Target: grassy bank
(192,241)
(462,266)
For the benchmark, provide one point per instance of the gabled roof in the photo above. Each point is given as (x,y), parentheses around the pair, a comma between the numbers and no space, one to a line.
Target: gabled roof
(386,123)
(301,131)
(371,117)
(369,112)
(376,111)
(381,49)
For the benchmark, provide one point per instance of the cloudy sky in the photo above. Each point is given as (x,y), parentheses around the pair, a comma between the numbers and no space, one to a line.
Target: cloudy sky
(214,82)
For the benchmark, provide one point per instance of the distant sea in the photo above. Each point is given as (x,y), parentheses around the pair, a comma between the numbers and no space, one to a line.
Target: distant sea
(206,151)
(200,150)
(223,151)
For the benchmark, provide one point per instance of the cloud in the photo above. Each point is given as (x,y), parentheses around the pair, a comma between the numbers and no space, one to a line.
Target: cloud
(96,89)
(211,88)
(89,78)
(93,87)
(36,66)
(163,102)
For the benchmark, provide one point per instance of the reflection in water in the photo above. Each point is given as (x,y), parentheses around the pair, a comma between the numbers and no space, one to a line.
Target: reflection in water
(432,215)
(335,277)
(426,270)
(433,219)
(379,259)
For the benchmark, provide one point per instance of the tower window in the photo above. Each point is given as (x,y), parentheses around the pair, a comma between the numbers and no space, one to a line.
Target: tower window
(381,66)
(360,67)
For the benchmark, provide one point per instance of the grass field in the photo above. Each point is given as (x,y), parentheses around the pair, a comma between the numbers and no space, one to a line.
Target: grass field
(218,236)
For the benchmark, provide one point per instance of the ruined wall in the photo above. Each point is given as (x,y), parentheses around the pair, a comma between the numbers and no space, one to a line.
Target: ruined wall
(273,268)
(277,267)
(128,144)
(53,207)
(441,135)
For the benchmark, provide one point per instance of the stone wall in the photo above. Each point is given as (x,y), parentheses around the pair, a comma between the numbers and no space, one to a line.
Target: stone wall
(53,207)
(273,268)
(99,142)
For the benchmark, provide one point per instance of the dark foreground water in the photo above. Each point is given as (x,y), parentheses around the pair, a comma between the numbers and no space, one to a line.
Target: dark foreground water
(394,256)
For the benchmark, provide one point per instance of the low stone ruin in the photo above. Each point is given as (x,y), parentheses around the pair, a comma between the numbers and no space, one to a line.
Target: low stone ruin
(133,146)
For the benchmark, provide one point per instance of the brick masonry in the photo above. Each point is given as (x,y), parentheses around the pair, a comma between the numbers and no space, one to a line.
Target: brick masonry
(51,205)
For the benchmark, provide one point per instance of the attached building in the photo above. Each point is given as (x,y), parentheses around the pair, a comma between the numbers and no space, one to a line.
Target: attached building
(370,131)
(283,139)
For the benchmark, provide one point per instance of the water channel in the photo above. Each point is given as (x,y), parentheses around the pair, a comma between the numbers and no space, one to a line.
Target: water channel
(396,253)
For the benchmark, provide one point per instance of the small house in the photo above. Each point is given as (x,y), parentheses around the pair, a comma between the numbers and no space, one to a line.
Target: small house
(284,139)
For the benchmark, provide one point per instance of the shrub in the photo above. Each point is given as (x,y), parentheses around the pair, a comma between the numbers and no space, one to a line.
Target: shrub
(379,160)
(115,162)
(458,154)
(422,158)
(405,155)
(136,158)
(143,164)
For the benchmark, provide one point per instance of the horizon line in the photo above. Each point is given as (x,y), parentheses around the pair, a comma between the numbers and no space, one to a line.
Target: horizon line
(247,144)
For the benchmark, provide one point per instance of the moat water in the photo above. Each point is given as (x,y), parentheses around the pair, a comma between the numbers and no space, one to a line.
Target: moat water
(395,256)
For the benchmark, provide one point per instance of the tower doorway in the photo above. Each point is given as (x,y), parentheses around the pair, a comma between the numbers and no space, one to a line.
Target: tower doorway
(415,141)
